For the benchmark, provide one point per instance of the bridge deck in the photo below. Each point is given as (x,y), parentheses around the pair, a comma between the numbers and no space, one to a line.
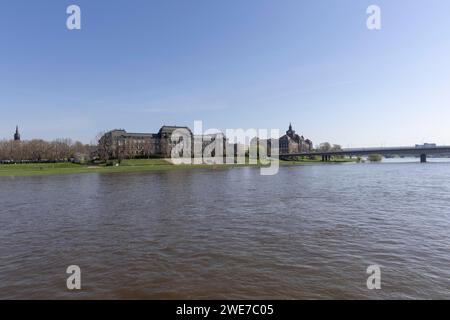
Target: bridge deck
(414,151)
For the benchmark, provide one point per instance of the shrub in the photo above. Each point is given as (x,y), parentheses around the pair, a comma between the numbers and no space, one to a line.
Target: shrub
(375,157)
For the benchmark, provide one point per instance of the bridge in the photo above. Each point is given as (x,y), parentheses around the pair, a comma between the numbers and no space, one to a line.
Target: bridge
(422,151)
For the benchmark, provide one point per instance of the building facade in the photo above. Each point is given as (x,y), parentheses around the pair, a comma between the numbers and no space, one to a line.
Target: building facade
(293,143)
(288,143)
(121,144)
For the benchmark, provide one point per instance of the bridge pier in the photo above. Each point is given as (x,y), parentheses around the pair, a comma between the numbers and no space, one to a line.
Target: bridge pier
(423,158)
(326,158)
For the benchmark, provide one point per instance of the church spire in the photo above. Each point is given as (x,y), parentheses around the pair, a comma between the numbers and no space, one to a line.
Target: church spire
(17,134)
(290,132)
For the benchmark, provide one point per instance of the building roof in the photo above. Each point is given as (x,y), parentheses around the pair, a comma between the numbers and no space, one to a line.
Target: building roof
(139,135)
(170,129)
(165,130)
(290,134)
(124,134)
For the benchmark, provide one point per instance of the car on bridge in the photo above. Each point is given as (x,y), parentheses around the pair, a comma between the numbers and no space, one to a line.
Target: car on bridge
(426,145)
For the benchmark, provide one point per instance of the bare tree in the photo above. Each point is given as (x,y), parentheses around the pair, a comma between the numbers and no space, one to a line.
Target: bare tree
(336,147)
(104,146)
(39,150)
(324,147)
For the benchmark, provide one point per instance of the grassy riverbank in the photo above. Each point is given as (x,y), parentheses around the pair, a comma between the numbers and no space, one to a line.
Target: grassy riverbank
(135,165)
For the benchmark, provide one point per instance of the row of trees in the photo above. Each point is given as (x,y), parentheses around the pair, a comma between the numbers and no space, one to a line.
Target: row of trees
(39,150)
(107,148)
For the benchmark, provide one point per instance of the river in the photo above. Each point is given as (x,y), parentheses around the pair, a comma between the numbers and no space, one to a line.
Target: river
(309,232)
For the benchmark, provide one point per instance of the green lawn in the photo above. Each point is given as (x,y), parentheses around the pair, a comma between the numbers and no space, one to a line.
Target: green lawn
(30,169)
(70,168)
(144,162)
(133,165)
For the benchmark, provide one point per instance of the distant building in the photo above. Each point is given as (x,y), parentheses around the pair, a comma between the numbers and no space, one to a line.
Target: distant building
(293,143)
(17,134)
(288,143)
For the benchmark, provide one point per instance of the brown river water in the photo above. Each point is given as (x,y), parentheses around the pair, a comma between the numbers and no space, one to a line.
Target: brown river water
(309,232)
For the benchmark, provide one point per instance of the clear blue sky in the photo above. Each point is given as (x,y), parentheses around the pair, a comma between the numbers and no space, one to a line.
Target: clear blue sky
(231,63)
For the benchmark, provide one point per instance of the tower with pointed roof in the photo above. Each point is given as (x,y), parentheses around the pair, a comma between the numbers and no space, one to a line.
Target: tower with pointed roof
(294,143)
(17,134)
(290,132)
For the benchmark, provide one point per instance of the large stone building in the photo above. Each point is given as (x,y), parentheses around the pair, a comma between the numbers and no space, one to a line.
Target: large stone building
(289,143)
(293,143)
(121,144)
